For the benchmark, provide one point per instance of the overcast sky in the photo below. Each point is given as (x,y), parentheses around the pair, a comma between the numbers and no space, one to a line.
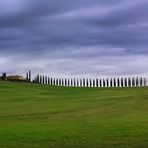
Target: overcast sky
(74,37)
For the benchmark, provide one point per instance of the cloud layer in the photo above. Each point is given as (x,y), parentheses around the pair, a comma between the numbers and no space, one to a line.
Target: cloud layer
(81,37)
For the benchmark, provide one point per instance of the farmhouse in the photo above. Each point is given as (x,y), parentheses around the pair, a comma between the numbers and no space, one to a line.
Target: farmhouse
(15,78)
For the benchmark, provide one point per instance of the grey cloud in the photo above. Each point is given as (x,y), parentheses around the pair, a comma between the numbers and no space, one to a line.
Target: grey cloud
(74,37)
(120,15)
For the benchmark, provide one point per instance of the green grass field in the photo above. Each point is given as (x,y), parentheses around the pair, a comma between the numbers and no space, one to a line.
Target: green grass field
(40,116)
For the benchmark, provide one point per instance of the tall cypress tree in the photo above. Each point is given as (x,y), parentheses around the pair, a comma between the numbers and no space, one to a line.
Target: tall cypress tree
(48,81)
(103,82)
(114,82)
(129,82)
(90,82)
(68,83)
(65,83)
(137,81)
(97,83)
(71,82)
(87,83)
(94,83)
(51,81)
(43,79)
(133,82)
(107,82)
(29,76)
(141,81)
(122,83)
(77,82)
(37,78)
(125,82)
(83,82)
(111,83)
(118,82)
(100,83)
(74,82)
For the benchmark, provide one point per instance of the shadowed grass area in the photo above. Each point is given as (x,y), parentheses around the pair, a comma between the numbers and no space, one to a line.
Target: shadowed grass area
(40,116)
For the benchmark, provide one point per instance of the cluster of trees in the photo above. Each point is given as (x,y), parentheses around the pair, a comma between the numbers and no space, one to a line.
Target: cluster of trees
(28,76)
(4,76)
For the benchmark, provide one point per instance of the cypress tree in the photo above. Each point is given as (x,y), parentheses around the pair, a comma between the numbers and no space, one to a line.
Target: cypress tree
(83,82)
(71,82)
(141,84)
(122,83)
(125,82)
(97,83)
(48,81)
(94,83)
(133,82)
(103,82)
(137,81)
(74,82)
(68,82)
(118,82)
(114,82)
(43,79)
(51,81)
(107,82)
(29,76)
(36,79)
(100,83)
(77,82)
(87,83)
(90,82)
(65,82)
(111,83)
(129,82)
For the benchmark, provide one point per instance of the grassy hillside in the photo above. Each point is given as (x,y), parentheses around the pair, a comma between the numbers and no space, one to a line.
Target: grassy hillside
(39,116)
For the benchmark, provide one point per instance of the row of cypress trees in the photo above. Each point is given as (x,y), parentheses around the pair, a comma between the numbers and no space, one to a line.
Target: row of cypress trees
(86,82)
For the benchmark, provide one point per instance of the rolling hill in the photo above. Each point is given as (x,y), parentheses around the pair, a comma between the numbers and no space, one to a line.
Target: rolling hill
(43,116)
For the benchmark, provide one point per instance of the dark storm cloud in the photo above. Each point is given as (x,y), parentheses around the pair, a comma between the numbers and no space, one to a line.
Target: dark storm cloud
(49,35)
